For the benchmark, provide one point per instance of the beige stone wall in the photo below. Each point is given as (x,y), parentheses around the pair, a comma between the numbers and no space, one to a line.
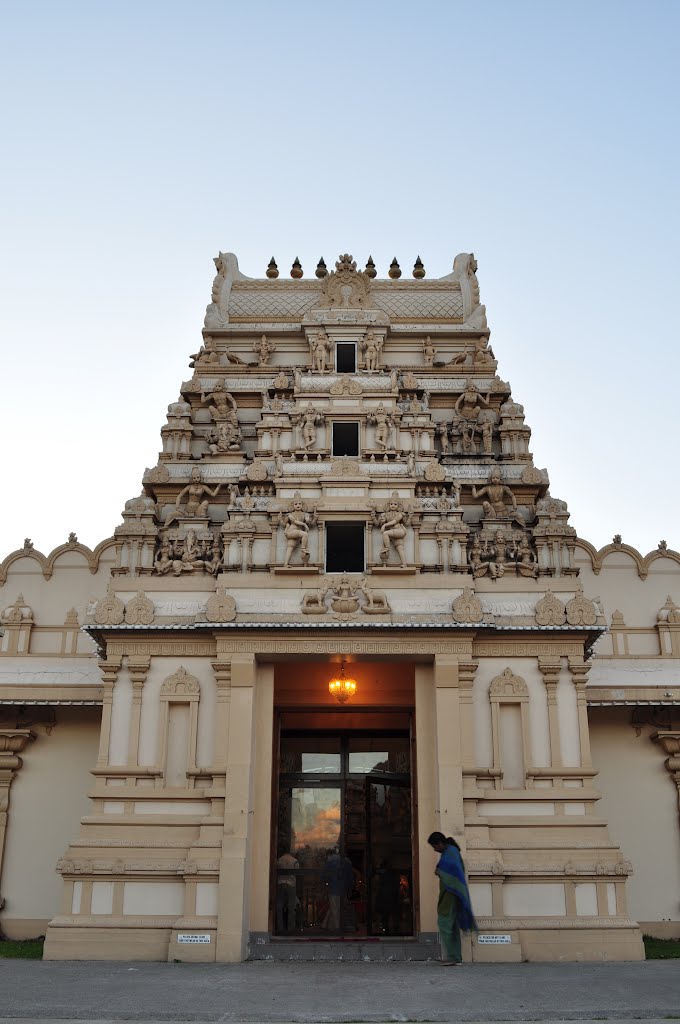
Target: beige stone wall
(47,799)
(640,802)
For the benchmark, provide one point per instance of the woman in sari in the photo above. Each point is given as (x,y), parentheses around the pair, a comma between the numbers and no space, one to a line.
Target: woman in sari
(454,911)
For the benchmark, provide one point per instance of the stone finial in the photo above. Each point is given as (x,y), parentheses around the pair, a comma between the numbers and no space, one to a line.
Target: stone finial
(662,546)
(617,540)
(669,612)
(395,269)
(321,269)
(272,269)
(28,544)
(418,269)
(72,539)
(296,270)
(370,270)
(467,607)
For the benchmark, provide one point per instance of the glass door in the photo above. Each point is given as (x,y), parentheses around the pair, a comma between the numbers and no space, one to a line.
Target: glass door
(344,835)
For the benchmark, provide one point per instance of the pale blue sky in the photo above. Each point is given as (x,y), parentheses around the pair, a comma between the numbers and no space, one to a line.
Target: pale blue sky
(140,138)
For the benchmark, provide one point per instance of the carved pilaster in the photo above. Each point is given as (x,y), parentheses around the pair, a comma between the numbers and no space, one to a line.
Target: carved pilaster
(670,741)
(138,667)
(550,670)
(12,743)
(466,679)
(579,673)
(109,669)
(222,670)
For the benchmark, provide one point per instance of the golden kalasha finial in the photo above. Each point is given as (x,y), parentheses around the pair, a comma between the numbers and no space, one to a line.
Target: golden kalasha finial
(321,269)
(296,269)
(272,269)
(370,267)
(395,269)
(418,269)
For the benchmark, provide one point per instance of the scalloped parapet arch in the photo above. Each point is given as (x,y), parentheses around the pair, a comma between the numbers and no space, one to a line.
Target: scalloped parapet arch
(47,562)
(642,562)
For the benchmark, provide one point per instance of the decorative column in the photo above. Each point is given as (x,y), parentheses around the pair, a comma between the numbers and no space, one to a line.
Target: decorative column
(579,673)
(670,741)
(550,670)
(109,669)
(234,880)
(12,743)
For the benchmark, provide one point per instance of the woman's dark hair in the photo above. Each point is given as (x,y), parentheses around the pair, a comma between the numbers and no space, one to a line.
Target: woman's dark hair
(439,837)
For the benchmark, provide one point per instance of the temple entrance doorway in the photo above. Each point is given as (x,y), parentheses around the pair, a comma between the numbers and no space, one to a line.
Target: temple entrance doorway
(343,831)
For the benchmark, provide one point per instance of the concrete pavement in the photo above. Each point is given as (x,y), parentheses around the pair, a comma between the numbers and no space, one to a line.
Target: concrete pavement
(310,993)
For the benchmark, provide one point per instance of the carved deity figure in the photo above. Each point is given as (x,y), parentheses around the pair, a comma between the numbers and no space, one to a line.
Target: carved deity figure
(494,494)
(223,405)
(197,496)
(429,351)
(526,559)
(226,437)
(442,431)
(473,410)
(384,425)
(163,560)
(371,347)
(296,524)
(309,418)
(483,355)
(320,349)
(263,348)
(392,522)
(345,600)
(207,354)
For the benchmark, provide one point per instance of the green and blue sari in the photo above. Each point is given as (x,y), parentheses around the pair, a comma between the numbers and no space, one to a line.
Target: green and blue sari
(454,910)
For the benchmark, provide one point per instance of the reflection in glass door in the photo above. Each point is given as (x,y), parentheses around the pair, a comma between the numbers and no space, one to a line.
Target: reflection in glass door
(344,835)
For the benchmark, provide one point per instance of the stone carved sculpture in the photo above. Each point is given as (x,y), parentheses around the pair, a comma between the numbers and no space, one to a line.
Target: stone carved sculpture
(223,404)
(180,682)
(221,607)
(345,287)
(467,607)
(207,354)
(494,494)
(371,348)
(384,426)
(140,611)
(185,554)
(216,312)
(348,596)
(525,559)
(507,684)
(581,611)
(392,522)
(263,348)
(320,349)
(224,437)
(345,386)
(197,494)
(110,611)
(476,418)
(429,351)
(309,419)
(550,611)
(296,523)
(483,355)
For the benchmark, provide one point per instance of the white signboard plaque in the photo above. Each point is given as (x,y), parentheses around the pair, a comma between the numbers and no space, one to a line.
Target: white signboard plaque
(494,940)
(193,938)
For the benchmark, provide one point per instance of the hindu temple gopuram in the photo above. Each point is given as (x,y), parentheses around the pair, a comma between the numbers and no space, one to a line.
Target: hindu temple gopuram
(344,611)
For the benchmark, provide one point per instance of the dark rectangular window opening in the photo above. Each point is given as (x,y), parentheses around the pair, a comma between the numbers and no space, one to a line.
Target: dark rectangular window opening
(345,439)
(346,357)
(345,547)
